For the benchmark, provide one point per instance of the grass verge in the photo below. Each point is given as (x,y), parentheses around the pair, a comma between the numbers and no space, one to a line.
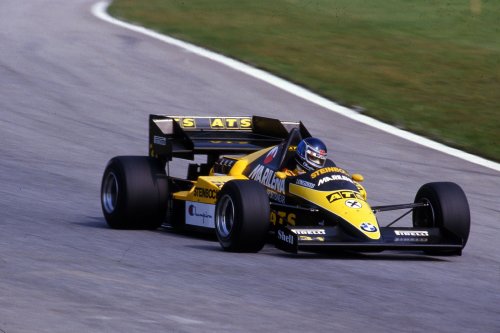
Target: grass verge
(431,67)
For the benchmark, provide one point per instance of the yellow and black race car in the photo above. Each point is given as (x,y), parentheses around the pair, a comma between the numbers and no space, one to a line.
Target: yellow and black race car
(241,193)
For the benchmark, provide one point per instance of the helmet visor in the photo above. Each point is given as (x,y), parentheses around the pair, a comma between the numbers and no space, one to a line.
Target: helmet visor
(317,159)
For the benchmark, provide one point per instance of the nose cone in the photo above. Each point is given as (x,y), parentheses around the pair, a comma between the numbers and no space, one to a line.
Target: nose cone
(358,213)
(349,205)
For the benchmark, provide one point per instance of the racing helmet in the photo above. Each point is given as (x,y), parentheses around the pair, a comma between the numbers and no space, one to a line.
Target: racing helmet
(310,154)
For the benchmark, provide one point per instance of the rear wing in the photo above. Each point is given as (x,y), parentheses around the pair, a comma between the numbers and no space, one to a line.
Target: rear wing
(184,137)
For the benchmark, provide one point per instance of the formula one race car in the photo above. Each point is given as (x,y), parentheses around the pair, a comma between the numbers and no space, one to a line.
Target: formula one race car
(241,193)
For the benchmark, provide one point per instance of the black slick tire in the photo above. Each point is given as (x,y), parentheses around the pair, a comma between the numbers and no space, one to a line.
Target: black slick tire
(242,216)
(134,193)
(448,210)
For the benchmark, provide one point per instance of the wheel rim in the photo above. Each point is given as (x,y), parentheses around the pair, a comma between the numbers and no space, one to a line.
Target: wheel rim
(110,193)
(224,217)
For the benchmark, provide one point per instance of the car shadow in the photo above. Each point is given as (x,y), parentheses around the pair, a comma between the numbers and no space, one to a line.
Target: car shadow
(350,255)
(270,250)
(93,222)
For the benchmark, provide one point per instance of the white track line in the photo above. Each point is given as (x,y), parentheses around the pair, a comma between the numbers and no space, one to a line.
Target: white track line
(99,10)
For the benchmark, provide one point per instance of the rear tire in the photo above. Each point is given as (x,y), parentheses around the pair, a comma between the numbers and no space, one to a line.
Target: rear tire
(134,193)
(448,210)
(242,216)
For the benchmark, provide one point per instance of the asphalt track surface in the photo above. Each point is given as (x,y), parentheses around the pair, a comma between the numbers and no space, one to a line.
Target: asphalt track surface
(76,91)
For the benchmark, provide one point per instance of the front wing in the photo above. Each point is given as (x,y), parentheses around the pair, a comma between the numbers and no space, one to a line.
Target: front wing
(316,239)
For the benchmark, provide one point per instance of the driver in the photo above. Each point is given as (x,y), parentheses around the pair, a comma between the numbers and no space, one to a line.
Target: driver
(310,156)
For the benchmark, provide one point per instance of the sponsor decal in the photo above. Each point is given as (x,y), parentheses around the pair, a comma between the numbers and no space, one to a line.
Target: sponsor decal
(309,231)
(159,140)
(353,204)
(328,170)
(230,123)
(411,239)
(266,177)
(273,196)
(200,214)
(284,237)
(186,122)
(281,217)
(205,193)
(215,122)
(304,183)
(413,233)
(327,179)
(332,197)
(368,227)
(271,155)
(309,238)
(292,148)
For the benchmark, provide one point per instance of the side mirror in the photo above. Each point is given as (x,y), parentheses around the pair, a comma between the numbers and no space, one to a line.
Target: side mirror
(357,177)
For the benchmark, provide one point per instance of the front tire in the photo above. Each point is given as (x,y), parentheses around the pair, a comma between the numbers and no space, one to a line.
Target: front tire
(242,216)
(134,193)
(448,210)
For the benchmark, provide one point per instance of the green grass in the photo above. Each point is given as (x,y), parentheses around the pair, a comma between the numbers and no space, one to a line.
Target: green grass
(429,66)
